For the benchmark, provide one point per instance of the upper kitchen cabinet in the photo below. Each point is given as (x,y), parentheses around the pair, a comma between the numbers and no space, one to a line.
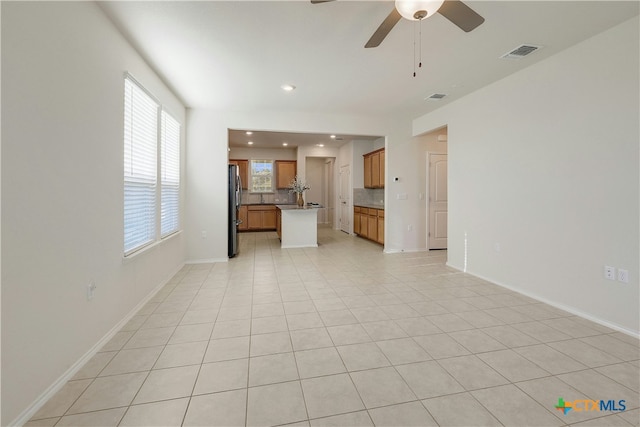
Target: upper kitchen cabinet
(285,173)
(243,167)
(374,169)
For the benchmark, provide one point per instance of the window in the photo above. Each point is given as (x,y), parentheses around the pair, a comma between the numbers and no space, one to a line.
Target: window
(261,176)
(144,200)
(170,172)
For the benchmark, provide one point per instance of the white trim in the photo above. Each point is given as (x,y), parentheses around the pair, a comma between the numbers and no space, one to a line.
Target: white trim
(30,410)
(206,260)
(567,308)
(404,251)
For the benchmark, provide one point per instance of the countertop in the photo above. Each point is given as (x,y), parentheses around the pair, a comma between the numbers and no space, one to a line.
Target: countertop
(364,205)
(296,207)
(267,204)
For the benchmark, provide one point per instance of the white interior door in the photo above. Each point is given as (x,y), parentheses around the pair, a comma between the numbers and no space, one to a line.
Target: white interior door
(438,210)
(345,190)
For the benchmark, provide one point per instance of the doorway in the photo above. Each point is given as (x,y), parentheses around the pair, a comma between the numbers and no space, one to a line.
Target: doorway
(437,201)
(319,176)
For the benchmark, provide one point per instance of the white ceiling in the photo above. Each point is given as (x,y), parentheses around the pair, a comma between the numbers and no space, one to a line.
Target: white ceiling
(237,54)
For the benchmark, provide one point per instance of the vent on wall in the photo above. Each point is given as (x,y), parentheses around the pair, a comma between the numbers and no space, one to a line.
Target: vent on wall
(435,97)
(520,51)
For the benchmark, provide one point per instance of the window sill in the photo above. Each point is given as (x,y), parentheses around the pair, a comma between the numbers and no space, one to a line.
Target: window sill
(148,248)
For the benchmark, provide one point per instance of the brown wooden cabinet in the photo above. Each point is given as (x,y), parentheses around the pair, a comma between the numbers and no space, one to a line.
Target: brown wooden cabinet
(374,163)
(279,223)
(375,170)
(364,224)
(285,173)
(242,216)
(372,231)
(369,223)
(380,238)
(367,171)
(261,217)
(382,174)
(243,167)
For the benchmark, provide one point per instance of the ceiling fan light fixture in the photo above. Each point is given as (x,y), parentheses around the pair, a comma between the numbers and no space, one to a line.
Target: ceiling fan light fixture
(416,10)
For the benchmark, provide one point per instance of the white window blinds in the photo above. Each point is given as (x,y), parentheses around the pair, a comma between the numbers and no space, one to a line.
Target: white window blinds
(140,167)
(170,174)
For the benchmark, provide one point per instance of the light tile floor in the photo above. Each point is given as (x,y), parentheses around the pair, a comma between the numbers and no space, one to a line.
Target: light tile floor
(342,335)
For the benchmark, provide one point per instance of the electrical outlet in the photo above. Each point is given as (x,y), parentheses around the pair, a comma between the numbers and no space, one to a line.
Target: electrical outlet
(623,276)
(497,247)
(91,290)
(409,227)
(204,234)
(609,273)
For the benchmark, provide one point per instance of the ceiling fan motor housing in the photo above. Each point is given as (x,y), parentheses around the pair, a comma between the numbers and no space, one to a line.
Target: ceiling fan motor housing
(417,10)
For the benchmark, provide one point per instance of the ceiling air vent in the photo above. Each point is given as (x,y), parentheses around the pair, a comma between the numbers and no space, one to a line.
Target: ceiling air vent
(435,97)
(520,52)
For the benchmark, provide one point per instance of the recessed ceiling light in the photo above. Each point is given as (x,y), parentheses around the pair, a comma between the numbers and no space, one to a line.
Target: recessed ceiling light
(249,132)
(285,144)
(250,142)
(287,87)
(333,137)
(320,145)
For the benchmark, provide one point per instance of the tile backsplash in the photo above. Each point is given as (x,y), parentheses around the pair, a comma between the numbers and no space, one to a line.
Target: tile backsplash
(368,196)
(279,196)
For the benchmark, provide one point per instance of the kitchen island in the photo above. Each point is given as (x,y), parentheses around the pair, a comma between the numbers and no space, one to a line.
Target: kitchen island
(297,227)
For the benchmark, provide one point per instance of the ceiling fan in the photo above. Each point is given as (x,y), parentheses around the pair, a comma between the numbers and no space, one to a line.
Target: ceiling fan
(416,10)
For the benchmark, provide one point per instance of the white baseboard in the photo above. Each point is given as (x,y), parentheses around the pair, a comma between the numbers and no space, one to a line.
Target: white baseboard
(567,308)
(30,411)
(206,260)
(404,251)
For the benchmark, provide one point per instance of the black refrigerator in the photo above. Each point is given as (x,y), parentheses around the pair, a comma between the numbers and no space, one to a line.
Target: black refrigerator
(235,199)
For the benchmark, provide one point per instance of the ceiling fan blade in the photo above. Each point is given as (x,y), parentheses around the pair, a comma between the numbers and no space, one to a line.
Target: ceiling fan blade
(461,15)
(384,29)
(320,1)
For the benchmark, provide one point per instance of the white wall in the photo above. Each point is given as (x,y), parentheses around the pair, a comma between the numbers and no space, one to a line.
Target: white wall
(263,153)
(404,158)
(545,164)
(62,197)
(207,160)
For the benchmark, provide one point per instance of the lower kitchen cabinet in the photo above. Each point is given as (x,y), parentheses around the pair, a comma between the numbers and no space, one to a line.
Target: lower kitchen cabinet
(369,223)
(261,217)
(279,223)
(380,238)
(242,216)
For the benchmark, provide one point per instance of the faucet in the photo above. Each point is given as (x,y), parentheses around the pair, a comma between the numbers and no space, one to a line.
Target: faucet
(261,198)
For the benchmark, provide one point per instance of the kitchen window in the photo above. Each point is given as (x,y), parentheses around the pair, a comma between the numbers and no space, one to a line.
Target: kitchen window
(261,176)
(150,210)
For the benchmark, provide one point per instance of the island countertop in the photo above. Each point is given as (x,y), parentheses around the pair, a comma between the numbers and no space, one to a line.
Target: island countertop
(296,207)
